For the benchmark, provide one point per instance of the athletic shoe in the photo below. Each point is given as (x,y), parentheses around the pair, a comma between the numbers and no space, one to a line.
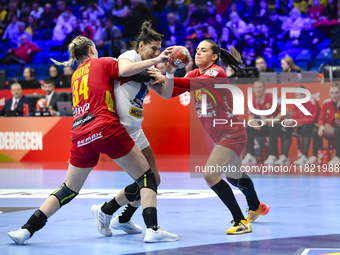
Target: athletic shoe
(20,236)
(128,227)
(312,160)
(249,159)
(160,235)
(262,210)
(301,161)
(283,160)
(240,227)
(101,219)
(270,160)
(334,160)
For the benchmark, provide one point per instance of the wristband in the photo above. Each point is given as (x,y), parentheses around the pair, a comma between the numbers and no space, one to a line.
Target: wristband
(169,75)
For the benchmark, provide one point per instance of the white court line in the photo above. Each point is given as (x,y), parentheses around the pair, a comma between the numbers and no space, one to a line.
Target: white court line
(110,193)
(305,252)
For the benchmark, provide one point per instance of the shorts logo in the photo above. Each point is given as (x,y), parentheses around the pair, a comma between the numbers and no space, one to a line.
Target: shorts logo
(134,112)
(90,139)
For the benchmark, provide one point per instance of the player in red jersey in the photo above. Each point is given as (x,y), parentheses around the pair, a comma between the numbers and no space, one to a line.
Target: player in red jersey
(230,141)
(97,129)
(329,120)
(306,125)
(263,101)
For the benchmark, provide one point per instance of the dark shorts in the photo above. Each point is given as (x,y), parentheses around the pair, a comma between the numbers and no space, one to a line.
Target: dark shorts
(112,140)
(234,142)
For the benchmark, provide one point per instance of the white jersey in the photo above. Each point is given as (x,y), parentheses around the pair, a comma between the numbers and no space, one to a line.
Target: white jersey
(129,96)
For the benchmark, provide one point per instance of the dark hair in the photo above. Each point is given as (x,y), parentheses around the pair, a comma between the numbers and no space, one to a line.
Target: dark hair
(147,35)
(301,87)
(232,59)
(49,81)
(78,49)
(56,67)
(32,72)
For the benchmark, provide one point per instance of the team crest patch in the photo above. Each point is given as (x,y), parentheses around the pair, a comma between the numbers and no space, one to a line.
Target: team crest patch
(137,113)
(198,94)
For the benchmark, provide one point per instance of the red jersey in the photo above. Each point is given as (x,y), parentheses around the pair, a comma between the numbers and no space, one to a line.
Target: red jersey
(313,107)
(267,104)
(329,114)
(216,109)
(93,99)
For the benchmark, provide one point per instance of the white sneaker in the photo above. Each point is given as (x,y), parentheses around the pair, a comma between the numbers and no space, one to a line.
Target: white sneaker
(128,227)
(101,219)
(20,236)
(334,160)
(160,235)
(270,160)
(301,161)
(283,160)
(249,159)
(312,160)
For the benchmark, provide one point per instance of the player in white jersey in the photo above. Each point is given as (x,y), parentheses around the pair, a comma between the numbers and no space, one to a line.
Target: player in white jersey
(130,93)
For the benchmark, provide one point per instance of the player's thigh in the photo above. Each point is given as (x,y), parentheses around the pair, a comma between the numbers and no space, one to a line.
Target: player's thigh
(76,176)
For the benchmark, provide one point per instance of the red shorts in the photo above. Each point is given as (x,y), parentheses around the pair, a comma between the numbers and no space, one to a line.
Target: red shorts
(234,142)
(111,140)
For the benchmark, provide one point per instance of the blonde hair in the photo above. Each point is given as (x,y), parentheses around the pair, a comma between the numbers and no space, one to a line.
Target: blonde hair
(291,64)
(78,49)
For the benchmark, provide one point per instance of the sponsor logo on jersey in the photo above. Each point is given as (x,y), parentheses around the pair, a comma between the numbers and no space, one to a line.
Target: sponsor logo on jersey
(198,94)
(211,72)
(134,112)
(83,120)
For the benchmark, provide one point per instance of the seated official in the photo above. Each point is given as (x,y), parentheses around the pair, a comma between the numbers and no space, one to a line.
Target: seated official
(261,66)
(51,97)
(29,82)
(15,105)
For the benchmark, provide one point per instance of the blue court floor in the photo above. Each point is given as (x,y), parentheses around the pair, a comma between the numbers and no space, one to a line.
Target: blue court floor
(303,219)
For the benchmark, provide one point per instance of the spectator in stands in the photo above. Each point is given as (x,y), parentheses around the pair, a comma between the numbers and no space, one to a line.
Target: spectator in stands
(189,44)
(23,54)
(261,66)
(306,124)
(61,8)
(98,36)
(249,13)
(293,26)
(63,26)
(12,11)
(332,10)
(302,5)
(25,13)
(283,6)
(22,31)
(32,27)
(315,11)
(29,82)
(227,39)
(12,31)
(254,29)
(3,14)
(36,10)
(51,97)
(106,5)
(267,42)
(329,16)
(275,23)
(263,13)
(67,76)
(288,66)
(94,11)
(222,7)
(309,37)
(260,127)
(201,34)
(329,121)
(121,12)
(237,25)
(53,71)
(248,49)
(237,6)
(74,33)
(16,103)
(85,26)
(46,24)
(112,34)
(213,33)
(174,32)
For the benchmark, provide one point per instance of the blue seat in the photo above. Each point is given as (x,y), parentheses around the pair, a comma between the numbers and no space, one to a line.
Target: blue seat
(3,67)
(323,45)
(14,67)
(324,57)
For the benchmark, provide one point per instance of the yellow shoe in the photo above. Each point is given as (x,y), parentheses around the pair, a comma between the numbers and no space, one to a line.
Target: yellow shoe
(262,210)
(240,227)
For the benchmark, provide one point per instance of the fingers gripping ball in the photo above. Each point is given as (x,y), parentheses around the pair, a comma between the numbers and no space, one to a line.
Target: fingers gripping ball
(179,57)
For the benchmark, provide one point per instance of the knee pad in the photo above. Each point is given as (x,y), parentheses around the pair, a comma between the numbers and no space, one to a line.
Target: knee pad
(242,183)
(147,180)
(132,192)
(64,194)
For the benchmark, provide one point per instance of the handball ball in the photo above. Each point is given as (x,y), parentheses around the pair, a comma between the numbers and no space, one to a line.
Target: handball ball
(179,57)
(41,103)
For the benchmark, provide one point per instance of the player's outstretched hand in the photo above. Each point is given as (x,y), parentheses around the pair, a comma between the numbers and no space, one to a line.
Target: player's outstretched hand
(164,56)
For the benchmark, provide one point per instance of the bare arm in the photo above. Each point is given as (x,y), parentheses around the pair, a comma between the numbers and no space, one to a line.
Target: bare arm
(164,90)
